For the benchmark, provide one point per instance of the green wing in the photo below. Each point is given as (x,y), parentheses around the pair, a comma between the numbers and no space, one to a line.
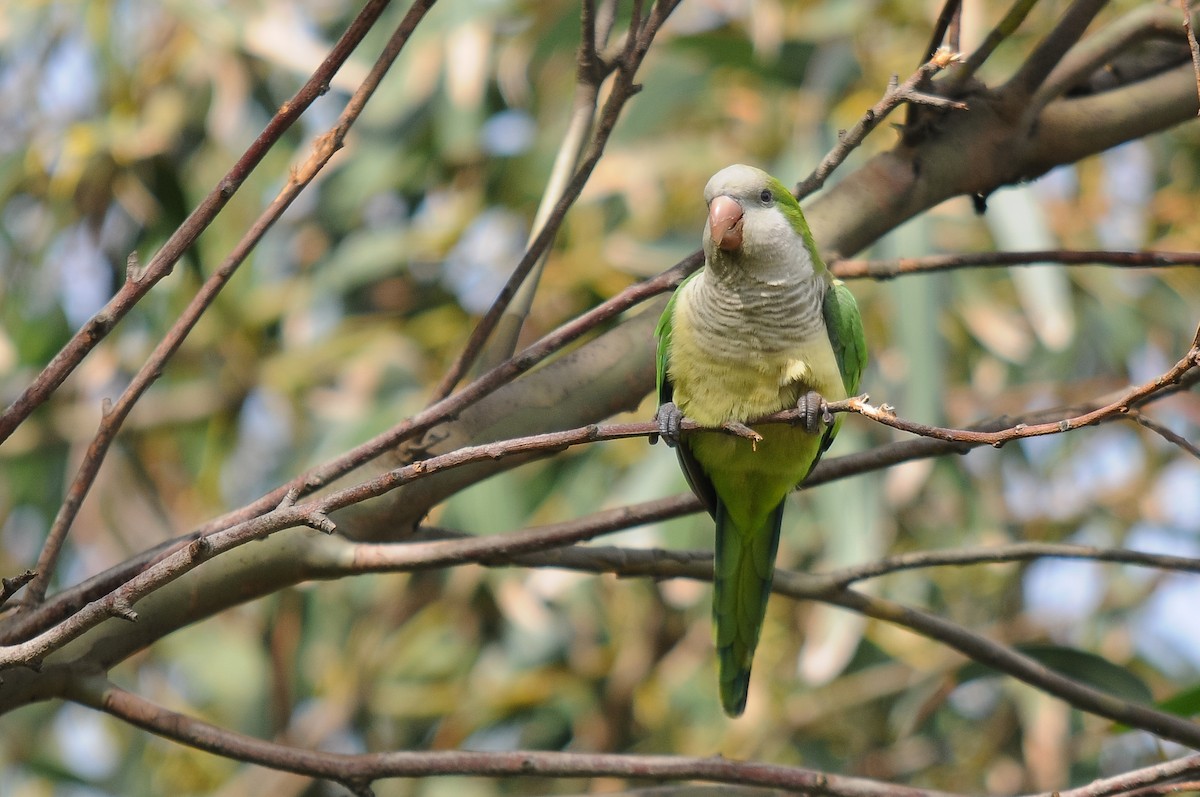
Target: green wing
(843,323)
(701,485)
(662,333)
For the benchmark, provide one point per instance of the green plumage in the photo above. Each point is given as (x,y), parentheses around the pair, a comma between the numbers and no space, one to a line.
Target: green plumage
(761,326)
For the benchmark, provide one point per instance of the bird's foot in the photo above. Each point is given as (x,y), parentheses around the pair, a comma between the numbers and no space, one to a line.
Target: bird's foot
(670,424)
(814,411)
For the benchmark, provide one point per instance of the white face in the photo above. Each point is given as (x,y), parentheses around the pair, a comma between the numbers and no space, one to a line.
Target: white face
(747,234)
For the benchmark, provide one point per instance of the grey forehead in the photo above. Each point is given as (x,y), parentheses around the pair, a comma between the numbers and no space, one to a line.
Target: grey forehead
(734,180)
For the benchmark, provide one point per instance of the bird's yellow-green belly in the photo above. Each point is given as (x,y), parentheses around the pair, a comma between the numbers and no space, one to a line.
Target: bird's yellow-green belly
(753,479)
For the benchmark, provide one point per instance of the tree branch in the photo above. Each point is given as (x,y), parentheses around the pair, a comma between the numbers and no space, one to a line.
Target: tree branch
(1193,45)
(1091,54)
(139,282)
(805,586)
(845,268)
(357,772)
(315,513)
(1054,46)
(623,89)
(1128,782)
(1116,408)
(1017,552)
(896,95)
(1165,433)
(114,415)
(996,36)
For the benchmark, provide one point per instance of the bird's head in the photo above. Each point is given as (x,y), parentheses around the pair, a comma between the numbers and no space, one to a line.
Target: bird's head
(755,226)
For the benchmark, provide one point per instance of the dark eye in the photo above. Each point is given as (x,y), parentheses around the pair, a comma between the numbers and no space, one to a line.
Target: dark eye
(766,197)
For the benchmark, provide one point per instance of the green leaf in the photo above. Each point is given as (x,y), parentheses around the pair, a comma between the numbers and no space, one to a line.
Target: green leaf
(1078,665)
(1183,704)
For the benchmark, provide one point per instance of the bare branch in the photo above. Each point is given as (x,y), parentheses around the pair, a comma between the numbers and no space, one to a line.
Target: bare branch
(623,89)
(10,586)
(1165,433)
(323,149)
(358,771)
(1051,49)
(1128,782)
(805,586)
(1117,408)
(896,95)
(845,268)
(1094,52)
(139,284)
(1017,552)
(1193,46)
(1007,27)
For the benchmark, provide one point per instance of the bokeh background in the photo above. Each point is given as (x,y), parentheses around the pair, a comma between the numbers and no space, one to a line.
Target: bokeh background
(117,117)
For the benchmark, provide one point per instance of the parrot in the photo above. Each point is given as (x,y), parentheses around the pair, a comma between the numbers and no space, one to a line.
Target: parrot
(761,328)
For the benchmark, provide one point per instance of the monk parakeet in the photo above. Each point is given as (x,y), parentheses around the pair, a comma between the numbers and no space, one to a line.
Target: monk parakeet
(761,328)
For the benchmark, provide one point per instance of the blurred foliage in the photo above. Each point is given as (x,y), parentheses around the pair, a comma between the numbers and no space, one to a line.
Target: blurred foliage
(117,117)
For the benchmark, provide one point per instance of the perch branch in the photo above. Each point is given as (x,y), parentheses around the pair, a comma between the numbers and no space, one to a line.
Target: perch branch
(315,513)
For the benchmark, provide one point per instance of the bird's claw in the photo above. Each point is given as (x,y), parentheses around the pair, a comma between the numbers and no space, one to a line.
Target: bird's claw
(814,411)
(670,424)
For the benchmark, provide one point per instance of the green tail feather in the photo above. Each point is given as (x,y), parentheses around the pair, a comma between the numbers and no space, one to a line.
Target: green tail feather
(743,570)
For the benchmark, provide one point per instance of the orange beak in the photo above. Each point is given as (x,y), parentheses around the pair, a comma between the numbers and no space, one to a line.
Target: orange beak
(725,223)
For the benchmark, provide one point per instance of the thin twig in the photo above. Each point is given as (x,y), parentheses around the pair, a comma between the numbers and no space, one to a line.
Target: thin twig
(503,329)
(1165,433)
(623,88)
(323,149)
(1192,44)
(1007,27)
(452,405)
(945,34)
(845,268)
(1017,552)
(1191,786)
(951,9)
(10,586)
(1097,51)
(499,549)
(357,771)
(896,95)
(1126,782)
(1122,405)
(139,281)
(1051,49)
